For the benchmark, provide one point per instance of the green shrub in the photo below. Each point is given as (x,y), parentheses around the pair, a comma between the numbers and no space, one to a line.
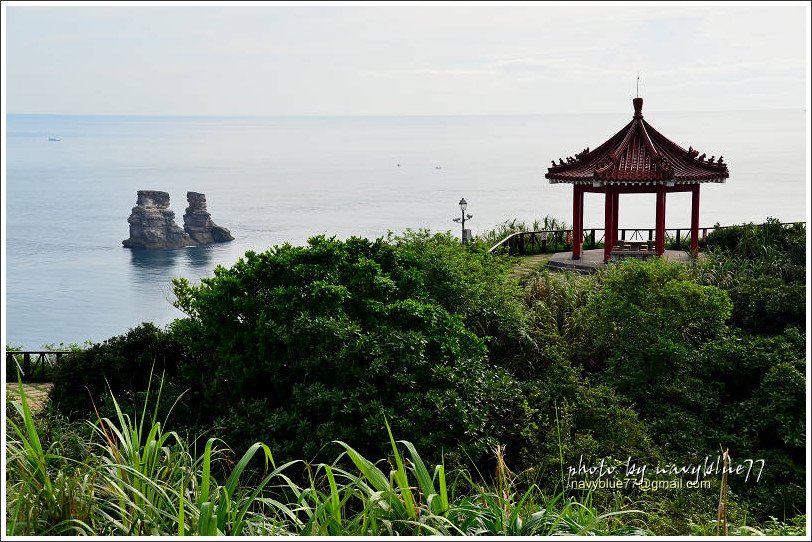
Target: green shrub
(761,249)
(659,339)
(754,241)
(471,282)
(739,361)
(795,526)
(298,346)
(552,301)
(638,330)
(763,268)
(777,420)
(767,305)
(643,317)
(566,417)
(125,363)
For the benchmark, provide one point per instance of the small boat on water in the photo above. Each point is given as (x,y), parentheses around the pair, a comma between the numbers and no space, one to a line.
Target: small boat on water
(54,139)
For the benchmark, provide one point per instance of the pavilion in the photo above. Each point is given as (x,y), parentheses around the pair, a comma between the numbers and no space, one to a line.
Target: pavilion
(638,159)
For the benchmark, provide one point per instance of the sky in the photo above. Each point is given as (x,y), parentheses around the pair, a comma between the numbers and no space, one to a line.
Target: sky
(402,60)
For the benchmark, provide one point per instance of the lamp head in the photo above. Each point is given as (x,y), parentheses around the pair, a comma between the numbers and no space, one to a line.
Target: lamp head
(463,205)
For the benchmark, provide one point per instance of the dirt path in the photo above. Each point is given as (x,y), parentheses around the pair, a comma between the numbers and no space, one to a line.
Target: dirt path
(36,394)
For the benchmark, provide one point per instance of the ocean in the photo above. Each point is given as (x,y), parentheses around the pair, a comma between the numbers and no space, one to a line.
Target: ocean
(276,180)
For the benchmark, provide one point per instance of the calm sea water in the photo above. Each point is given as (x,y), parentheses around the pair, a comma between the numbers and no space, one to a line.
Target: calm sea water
(272,180)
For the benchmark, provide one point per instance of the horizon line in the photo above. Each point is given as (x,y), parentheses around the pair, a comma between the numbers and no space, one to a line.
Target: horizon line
(390,115)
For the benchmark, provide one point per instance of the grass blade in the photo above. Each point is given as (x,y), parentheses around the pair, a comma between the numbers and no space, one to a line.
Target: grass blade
(401,477)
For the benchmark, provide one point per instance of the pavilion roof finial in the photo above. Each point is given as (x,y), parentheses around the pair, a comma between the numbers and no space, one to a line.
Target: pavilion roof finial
(637,100)
(638,107)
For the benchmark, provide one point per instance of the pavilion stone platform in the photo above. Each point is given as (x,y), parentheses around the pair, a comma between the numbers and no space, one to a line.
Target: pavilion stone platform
(592,260)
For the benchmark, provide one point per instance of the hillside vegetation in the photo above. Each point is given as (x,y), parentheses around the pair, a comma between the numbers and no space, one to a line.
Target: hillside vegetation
(316,351)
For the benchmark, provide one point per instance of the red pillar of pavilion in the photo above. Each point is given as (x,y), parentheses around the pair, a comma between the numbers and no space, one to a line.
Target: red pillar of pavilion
(581,218)
(577,221)
(615,215)
(609,220)
(694,221)
(659,222)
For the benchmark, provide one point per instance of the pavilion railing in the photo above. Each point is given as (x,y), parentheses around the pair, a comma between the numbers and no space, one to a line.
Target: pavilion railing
(549,241)
(34,366)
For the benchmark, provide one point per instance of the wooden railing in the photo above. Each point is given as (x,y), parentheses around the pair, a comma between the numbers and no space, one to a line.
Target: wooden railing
(543,241)
(546,241)
(34,366)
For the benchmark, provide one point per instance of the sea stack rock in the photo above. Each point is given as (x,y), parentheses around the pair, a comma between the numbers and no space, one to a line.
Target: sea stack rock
(152,224)
(197,222)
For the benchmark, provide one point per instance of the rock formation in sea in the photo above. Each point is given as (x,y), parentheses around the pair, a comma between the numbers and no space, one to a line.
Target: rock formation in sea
(197,222)
(152,224)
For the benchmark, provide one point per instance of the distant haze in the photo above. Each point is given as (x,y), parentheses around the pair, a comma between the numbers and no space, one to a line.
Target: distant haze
(402,60)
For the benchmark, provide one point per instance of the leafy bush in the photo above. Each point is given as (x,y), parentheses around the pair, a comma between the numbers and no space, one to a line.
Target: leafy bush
(564,414)
(642,319)
(755,241)
(552,301)
(767,305)
(739,361)
(770,249)
(471,282)
(566,417)
(795,526)
(298,346)
(776,413)
(763,268)
(125,363)
(657,338)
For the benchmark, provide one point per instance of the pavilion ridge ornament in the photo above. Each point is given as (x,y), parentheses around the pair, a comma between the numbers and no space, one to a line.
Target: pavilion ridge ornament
(637,159)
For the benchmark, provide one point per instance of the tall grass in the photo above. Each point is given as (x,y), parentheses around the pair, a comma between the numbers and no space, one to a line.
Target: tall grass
(46,493)
(142,479)
(771,248)
(553,300)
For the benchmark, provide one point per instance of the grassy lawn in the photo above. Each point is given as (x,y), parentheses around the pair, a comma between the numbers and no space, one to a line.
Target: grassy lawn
(524,266)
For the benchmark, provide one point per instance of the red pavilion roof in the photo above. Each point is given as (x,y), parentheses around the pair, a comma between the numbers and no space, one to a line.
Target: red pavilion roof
(638,154)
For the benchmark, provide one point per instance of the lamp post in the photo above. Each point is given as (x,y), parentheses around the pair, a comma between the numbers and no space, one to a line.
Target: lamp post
(463,218)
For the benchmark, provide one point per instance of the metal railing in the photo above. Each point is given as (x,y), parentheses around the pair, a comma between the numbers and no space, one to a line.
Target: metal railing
(34,366)
(547,241)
